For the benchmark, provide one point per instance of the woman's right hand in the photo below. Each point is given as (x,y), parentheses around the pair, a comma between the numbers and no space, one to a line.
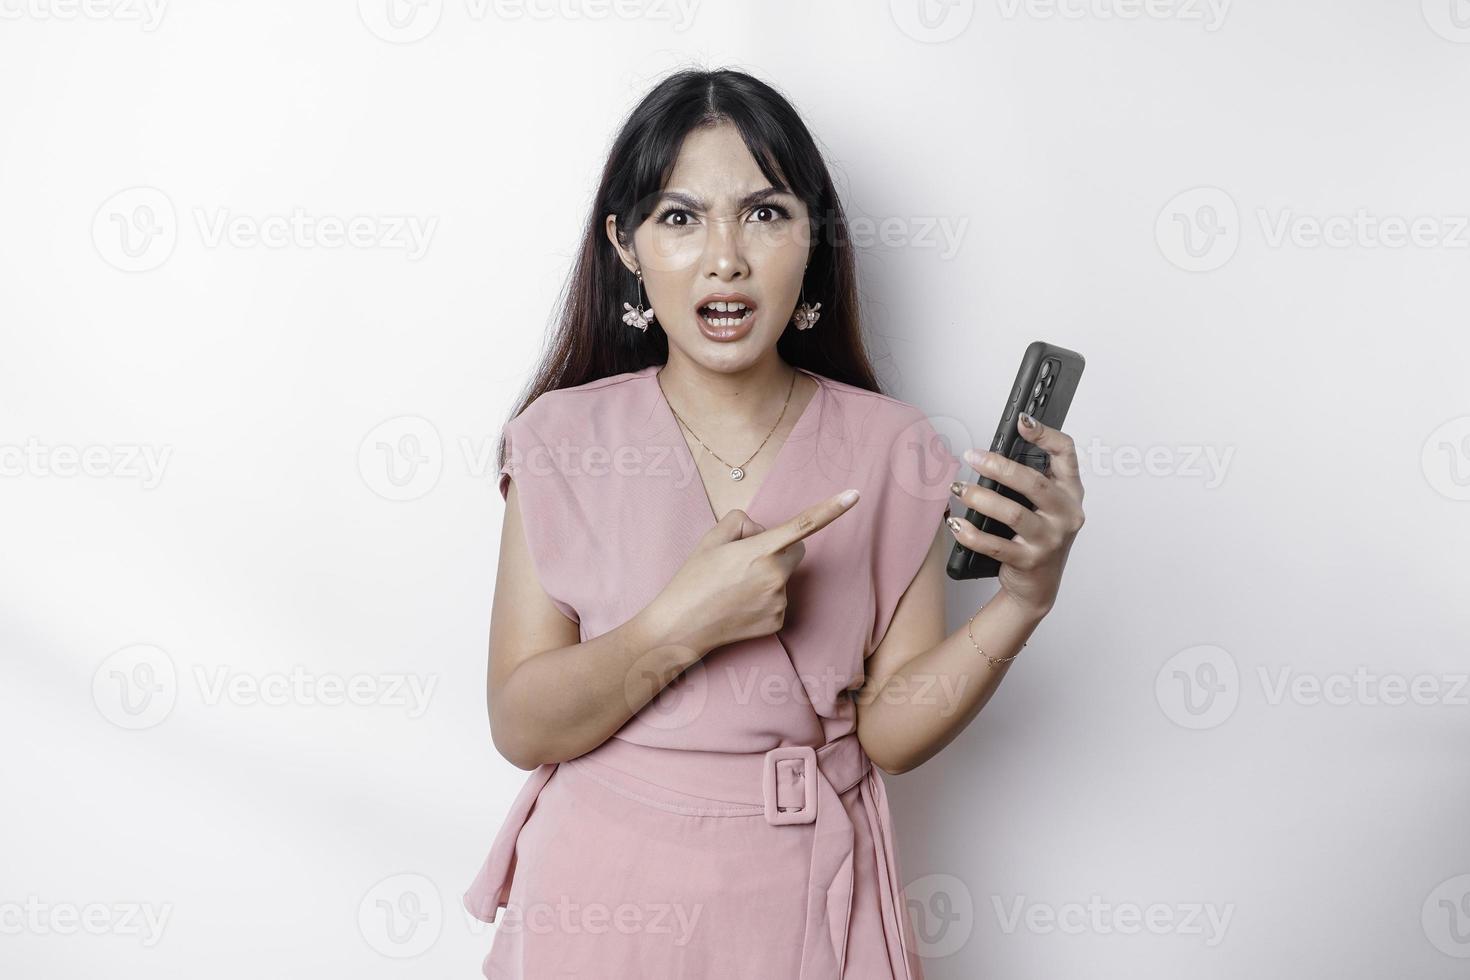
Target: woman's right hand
(732,586)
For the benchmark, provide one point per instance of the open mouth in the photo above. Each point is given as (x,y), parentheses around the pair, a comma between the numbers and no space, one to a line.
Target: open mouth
(725,314)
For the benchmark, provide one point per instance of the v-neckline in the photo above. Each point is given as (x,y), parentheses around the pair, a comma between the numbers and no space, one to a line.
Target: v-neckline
(802,422)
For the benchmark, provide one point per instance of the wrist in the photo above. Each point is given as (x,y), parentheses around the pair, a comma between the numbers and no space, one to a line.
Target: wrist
(652,630)
(1026,613)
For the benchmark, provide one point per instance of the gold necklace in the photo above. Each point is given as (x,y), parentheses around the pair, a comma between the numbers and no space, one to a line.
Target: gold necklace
(736,472)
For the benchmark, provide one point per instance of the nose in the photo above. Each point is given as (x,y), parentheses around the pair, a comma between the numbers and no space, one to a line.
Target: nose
(724,253)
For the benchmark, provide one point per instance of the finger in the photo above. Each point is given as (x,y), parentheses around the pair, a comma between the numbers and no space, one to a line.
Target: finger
(736,524)
(993,503)
(1057,444)
(808,522)
(790,556)
(1035,487)
(1006,552)
(749,527)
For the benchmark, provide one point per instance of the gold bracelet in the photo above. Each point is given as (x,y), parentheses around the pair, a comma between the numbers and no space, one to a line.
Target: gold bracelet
(988,658)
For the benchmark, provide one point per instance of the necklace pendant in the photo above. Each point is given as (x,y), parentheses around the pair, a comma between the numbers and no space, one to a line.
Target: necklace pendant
(736,473)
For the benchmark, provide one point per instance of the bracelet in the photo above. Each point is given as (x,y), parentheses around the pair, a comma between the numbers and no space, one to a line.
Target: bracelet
(970,629)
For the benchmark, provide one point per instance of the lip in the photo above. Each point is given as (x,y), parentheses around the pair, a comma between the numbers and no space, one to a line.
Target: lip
(726,298)
(727,334)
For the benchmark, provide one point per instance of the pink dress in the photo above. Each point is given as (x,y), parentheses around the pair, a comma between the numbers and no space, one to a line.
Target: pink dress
(734,827)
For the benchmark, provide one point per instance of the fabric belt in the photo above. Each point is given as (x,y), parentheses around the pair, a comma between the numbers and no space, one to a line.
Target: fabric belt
(790,785)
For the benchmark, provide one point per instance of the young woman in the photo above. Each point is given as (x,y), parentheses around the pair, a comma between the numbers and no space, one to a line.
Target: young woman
(720,600)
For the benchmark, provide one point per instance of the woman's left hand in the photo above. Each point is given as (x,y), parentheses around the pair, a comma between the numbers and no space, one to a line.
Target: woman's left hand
(1032,561)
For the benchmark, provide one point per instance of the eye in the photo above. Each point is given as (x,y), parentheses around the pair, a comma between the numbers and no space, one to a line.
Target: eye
(775,209)
(667,212)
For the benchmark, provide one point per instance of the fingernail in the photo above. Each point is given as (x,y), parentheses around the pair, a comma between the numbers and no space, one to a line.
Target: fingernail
(1028,421)
(974,458)
(848,497)
(956,488)
(954,524)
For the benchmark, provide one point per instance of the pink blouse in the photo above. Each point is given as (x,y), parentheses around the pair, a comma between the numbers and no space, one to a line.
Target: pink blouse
(739,802)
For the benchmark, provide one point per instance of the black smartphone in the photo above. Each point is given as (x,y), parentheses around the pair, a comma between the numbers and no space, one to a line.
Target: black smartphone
(1044,387)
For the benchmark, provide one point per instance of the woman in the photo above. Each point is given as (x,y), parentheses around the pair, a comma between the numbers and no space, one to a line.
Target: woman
(720,599)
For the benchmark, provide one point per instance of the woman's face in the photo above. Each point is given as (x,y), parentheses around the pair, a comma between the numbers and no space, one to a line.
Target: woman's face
(718,229)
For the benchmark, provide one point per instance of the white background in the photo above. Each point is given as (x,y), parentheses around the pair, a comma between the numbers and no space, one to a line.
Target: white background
(1301,409)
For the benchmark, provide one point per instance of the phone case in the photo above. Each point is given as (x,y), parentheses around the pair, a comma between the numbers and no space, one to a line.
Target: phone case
(1044,386)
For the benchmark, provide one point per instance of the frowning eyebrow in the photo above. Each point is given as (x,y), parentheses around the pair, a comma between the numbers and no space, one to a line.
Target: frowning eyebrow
(679,197)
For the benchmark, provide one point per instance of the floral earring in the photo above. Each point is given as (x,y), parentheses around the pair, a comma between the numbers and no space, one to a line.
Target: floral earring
(806,314)
(639,317)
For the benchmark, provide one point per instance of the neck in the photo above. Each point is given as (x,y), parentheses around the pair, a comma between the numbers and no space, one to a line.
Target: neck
(729,401)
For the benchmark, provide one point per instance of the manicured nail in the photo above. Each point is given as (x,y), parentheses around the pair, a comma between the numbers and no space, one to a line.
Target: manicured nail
(848,497)
(957,488)
(1028,421)
(975,459)
(954,524)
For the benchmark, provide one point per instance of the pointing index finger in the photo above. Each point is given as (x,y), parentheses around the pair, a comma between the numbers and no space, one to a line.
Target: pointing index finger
(807,522)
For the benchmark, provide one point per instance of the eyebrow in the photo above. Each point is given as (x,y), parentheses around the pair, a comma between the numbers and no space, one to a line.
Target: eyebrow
(753,198)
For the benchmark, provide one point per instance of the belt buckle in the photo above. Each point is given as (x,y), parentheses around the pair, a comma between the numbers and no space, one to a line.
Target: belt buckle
(808,811)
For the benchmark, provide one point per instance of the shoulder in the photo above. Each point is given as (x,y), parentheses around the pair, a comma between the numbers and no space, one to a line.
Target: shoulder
(872,415)
(849,390)
(559,409)
(905,449)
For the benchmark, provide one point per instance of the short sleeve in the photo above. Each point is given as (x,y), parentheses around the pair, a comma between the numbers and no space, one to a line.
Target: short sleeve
(913,491)
(544,496)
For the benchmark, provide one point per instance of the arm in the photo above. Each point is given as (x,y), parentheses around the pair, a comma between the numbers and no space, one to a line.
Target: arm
(550,697)
(922,690)
(553,698)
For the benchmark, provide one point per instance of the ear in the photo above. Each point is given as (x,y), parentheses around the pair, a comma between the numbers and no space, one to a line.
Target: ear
(624,252)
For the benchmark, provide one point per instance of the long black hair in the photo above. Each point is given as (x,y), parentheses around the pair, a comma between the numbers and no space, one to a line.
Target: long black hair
(591,340)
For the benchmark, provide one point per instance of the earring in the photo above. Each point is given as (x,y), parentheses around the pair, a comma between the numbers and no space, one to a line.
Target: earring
(639,317)
(806,314)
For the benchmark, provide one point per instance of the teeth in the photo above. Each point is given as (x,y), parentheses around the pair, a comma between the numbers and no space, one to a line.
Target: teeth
(738,308)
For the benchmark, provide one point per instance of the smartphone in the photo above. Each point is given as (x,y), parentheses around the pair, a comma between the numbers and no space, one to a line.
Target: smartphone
(1044,387)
